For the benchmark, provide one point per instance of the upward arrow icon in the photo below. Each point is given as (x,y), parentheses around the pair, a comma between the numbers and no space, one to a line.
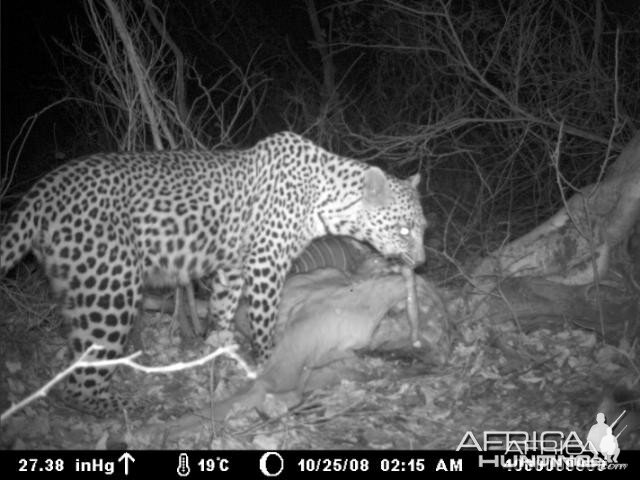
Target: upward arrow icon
(126,457)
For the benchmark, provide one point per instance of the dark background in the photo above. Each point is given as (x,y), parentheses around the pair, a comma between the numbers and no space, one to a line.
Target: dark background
(401,101)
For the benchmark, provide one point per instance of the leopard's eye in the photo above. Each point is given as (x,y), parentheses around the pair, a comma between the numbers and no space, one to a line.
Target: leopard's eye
(404,231)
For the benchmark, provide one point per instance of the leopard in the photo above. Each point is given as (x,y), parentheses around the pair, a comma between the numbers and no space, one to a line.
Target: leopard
(106,225)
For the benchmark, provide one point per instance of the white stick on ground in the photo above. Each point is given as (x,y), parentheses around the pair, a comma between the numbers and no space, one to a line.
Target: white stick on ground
(229,351)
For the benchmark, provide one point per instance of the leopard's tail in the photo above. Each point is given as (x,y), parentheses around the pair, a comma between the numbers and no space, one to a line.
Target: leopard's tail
(18,234)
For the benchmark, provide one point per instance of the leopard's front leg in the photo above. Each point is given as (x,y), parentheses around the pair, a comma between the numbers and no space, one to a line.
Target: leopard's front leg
(264,290)
(226,291)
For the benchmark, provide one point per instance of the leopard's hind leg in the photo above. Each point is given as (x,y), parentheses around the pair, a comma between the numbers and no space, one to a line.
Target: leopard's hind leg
(100,297)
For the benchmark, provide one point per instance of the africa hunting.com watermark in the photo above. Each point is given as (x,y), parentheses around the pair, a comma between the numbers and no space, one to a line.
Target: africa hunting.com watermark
(549,463)
(550,450)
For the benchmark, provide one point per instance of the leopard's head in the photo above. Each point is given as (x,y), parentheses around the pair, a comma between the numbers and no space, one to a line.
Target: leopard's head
(386,213)
(391,217)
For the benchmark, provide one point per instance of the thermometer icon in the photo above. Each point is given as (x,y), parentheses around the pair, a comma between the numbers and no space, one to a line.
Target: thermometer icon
(183,465)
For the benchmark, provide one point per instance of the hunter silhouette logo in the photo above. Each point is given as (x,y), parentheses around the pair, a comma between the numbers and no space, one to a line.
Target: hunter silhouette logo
(602,440)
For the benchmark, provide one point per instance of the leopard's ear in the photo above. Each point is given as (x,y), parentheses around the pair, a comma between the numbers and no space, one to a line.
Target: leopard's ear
(415,180)
(375,188)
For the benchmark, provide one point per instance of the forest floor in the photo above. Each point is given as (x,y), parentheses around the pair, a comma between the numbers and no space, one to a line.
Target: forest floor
(494,379)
